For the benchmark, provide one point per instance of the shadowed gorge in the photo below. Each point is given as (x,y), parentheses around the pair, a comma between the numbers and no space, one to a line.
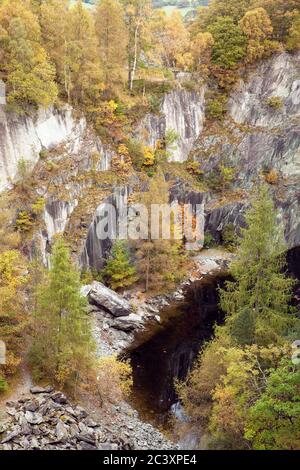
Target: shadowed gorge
(149,225)
(170,353)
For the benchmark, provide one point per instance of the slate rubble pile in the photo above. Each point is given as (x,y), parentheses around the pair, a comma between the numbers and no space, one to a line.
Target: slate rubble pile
(46,420)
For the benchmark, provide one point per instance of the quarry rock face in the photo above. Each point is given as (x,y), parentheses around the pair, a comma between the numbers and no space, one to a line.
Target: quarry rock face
(94,249)
(256,138)
(182,111)
(24,137)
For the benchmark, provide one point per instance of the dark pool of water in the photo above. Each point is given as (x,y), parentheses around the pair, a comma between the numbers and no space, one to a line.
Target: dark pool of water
(169,352)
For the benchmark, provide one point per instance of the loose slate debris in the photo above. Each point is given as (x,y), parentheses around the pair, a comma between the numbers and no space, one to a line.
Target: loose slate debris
(46,420)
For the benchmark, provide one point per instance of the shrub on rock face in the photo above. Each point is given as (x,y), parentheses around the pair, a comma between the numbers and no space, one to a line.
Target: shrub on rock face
(209,240)
(229,237)
(114,379)
(24,221)
(217,107)
(272,176)
(3,384)
(275,102)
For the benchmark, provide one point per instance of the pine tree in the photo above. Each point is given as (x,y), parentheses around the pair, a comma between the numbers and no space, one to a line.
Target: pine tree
(119,271)
(63,347)
(274,419)
(229,46)
(112,38)
(257,300)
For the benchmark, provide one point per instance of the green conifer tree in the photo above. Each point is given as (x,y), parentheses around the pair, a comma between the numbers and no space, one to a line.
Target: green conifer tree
(119,271)
(257,300)
(63,346)
(229,46)
(274,419)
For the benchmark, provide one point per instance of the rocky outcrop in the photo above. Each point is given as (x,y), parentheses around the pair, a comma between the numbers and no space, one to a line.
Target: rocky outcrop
(46,420)
(181,111)
(257,136)
(94,249)
(107,299)
(278,77)
(115,334)
(24,137)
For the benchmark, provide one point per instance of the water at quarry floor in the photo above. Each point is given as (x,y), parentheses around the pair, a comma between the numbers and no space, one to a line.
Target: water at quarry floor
(168,352)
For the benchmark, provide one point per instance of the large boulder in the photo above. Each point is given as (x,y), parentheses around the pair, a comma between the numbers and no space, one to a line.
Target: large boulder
(129,323)
(104,298)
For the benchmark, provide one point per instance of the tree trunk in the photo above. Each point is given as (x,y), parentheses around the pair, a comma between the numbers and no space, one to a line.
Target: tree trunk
(147,270)
(132,68)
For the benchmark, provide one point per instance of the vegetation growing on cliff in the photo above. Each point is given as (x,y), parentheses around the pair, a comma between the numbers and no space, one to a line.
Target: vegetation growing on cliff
(114,64)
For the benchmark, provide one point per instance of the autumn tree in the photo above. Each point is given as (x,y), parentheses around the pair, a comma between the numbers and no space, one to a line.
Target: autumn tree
(235,9)
(137,15)
(84,78)
(220,391)
(201,49)
(114,379)
(281,13)
(293,40)
(257,26)
(13,317)
(254,313)
(171,37)
(54,15)
(26,68)
(63,348)
(119,271)
(13,284)
(274,419)
(112,37)
(160,262)
(244,380)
